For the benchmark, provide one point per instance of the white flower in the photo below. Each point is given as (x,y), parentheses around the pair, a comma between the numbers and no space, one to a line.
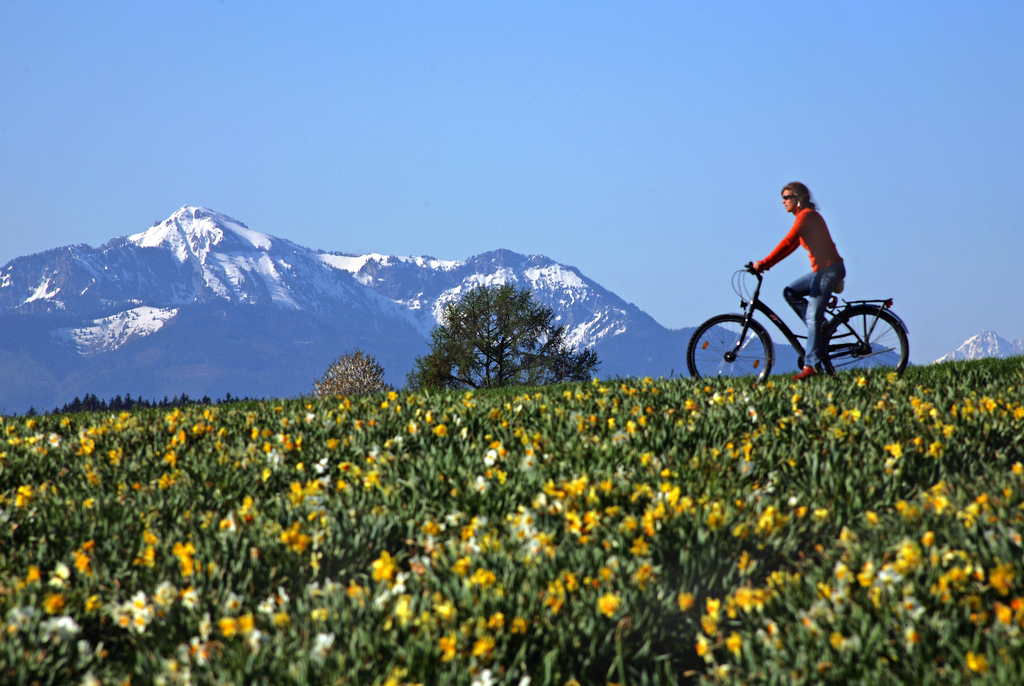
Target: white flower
(19,617)
(322,647)
(233,603)
(400,580)
(165,594)
(139,602)
(63,628)
(484,678)
(90,680)
(205,627)
(189,598)
(61,573)
(255,639)
(490,457)
(274,459)
(480,485)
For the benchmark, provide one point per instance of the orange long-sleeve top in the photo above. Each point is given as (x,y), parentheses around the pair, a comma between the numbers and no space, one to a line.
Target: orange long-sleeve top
(810,231)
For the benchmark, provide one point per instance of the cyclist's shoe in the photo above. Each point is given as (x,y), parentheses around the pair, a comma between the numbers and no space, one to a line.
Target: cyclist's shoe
(805,373)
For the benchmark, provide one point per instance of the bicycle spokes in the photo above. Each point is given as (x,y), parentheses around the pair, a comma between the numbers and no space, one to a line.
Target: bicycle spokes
(729,346)
(864,338)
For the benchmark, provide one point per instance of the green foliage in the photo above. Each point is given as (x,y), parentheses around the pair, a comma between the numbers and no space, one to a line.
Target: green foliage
(499,336)
(353,373)
(854,529)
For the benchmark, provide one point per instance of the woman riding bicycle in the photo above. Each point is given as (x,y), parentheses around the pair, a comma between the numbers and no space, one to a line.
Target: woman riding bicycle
(808,295)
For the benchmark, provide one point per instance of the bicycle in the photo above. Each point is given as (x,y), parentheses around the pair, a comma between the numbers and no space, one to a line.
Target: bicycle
(861,334)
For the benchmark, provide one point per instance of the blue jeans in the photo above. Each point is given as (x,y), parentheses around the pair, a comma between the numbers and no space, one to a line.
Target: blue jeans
(808,296)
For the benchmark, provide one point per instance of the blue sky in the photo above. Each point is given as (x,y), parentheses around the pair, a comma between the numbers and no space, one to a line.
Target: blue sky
(644,143)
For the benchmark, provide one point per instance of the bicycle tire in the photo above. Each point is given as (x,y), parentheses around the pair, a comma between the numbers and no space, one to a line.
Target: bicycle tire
(708,352)
(865,337)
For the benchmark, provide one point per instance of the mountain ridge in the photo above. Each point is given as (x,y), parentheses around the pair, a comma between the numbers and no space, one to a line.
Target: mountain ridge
(271,314)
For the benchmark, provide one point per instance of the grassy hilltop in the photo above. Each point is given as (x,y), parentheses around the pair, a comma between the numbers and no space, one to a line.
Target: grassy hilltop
(860,528)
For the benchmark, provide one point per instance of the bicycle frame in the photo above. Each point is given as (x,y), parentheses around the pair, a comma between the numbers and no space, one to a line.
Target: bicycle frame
(793,339)
(756,304)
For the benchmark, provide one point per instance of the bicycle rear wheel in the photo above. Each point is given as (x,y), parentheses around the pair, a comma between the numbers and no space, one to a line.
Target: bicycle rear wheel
(865,337)
(715,349)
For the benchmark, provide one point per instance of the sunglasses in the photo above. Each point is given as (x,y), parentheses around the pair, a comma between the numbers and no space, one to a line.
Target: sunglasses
(789,197)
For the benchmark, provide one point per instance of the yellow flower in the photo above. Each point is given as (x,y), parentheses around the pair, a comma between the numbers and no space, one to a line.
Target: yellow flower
(867,574)
(448,645)
(734,643)
(1001,578)
(54,603)
(440,430)
(837,640)
(908,558)
(483,577)
(461,566)
(228,626)
(384,567)
(644,574)
(685,601)
(483,646)
(83,563)
(23,496)
(715,518)
(976,663)
(703,645)
(246,623)
(403,610)
(608,604)
(519,625)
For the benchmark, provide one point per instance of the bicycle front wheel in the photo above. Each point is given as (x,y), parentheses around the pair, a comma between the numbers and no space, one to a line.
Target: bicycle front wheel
(865,337)
(723,346)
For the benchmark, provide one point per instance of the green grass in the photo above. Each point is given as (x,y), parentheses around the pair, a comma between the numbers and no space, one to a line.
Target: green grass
(860,528)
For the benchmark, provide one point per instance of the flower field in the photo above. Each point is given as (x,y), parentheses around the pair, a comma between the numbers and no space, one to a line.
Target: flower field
(859,528)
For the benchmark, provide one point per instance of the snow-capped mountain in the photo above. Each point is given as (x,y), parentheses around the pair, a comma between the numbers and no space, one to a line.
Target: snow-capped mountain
(204,305)
(985,344)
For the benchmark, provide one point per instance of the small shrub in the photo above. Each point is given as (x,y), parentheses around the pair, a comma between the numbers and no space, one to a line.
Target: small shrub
(353,373)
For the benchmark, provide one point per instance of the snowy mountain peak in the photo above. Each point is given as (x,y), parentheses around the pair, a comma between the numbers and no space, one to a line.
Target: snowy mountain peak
(985,344)
(193,232)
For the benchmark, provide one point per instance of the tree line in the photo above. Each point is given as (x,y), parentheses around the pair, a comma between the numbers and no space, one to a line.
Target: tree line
(92,403)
